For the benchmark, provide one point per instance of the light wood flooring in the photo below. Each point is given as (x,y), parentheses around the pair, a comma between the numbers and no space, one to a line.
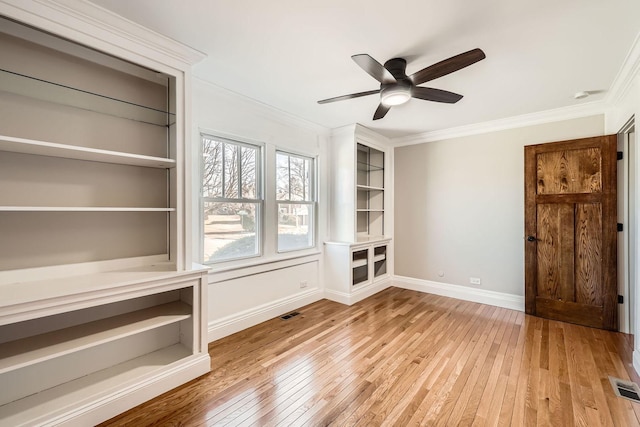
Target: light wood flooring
(404,358)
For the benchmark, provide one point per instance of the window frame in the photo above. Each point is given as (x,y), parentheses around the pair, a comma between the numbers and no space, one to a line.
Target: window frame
(312,202)
(259,201)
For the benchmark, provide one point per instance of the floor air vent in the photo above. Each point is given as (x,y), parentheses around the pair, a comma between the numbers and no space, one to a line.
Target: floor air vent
(627,389)
(289,316)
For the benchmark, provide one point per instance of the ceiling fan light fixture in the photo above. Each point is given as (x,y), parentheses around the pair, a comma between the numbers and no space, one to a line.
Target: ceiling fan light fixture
(395,95)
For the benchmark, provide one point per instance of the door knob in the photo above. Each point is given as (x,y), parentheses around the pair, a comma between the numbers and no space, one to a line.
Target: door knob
(531,239)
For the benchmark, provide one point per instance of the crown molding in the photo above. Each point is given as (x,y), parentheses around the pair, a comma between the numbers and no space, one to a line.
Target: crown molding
(629,71)
(264,110)
(618,90)
(548,116)
(87,23)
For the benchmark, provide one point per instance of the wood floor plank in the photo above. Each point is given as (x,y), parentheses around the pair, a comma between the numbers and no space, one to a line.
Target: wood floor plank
(403,358)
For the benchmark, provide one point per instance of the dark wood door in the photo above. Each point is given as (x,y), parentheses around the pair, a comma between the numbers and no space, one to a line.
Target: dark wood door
(570,226)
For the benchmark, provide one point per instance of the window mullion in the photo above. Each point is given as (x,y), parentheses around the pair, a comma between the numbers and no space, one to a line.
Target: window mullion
(224,172)
(238,168)
(289,175)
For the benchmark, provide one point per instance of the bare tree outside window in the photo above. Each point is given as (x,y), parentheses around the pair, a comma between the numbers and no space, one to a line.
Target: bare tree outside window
(296,201)
(231,199)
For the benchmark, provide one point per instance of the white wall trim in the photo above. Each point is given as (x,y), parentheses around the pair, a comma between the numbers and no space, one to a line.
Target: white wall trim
(626,75)
(482,296)
(236,322)
(83,20)
(541,117)
(264,110)
(362,292)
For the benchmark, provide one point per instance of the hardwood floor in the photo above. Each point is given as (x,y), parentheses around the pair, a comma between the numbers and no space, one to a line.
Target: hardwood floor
(404,358)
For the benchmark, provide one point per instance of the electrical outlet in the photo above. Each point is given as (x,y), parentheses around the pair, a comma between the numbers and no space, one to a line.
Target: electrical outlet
(475,280)
(303,284)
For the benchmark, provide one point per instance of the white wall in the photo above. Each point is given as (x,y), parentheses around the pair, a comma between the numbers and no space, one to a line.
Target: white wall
(459,208)
(245,293)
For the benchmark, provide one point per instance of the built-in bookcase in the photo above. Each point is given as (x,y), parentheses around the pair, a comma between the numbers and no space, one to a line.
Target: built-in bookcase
(98,309)
(359,249)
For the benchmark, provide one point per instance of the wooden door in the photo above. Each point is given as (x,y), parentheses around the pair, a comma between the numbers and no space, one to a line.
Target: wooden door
(570,226)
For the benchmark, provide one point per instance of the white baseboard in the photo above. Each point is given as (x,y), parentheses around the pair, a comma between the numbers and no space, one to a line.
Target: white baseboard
(360,293)
(236,322)
(483,296)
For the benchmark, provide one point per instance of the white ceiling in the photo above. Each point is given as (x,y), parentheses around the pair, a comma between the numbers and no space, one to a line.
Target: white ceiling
(291,53)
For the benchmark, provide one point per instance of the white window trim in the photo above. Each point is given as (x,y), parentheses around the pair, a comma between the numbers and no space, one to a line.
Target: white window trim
(260,191)
(313,202)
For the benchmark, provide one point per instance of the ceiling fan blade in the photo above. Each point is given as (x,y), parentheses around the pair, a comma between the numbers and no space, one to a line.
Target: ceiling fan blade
(447,66)
(353,95)
(381,111)
(437,95)
(374,68)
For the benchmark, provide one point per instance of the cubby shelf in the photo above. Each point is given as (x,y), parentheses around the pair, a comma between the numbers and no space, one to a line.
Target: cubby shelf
(27,351)
(52,149)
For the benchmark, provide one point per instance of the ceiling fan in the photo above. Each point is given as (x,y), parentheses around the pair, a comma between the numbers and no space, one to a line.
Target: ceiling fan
(397,88)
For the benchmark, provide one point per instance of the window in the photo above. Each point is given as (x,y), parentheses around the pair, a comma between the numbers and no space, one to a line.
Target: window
(231,199)
(295,195)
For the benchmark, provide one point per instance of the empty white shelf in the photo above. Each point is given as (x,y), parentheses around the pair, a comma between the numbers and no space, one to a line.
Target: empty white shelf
(84,390)
(53,149)
(28,351)
(359,263)
(369,188)
(379,258)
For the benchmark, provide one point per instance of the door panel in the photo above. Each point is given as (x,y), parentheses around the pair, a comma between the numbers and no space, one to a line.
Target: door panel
(570,221)
(569,172)
(555,251)
(588,254)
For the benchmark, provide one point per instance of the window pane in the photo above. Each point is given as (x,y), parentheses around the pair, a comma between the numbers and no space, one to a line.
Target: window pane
(295,226)
(282,176)
(248,169)
(230,230)
(211,168)
(231,171)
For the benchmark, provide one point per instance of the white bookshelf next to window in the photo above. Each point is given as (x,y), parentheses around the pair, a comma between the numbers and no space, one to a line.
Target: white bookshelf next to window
(99,308)
(357,255)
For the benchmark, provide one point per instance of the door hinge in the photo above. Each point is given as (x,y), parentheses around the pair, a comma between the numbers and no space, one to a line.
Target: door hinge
(620,299)
(620,155)
(620,227)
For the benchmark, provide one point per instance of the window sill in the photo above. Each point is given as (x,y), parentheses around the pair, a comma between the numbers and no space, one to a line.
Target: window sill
(262,264)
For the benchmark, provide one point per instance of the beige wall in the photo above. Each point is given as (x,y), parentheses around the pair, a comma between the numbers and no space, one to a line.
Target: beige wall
(459,205)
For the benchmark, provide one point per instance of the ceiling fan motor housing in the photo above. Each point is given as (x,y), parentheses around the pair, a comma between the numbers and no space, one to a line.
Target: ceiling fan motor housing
(395,93)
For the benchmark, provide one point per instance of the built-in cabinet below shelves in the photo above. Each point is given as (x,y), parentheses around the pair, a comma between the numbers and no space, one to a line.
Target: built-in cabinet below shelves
(355,270)
(100,309)
(59,362)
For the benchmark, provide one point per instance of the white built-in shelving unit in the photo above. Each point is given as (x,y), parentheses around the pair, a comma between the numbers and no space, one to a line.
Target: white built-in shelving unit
(357,254)
(100,308)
